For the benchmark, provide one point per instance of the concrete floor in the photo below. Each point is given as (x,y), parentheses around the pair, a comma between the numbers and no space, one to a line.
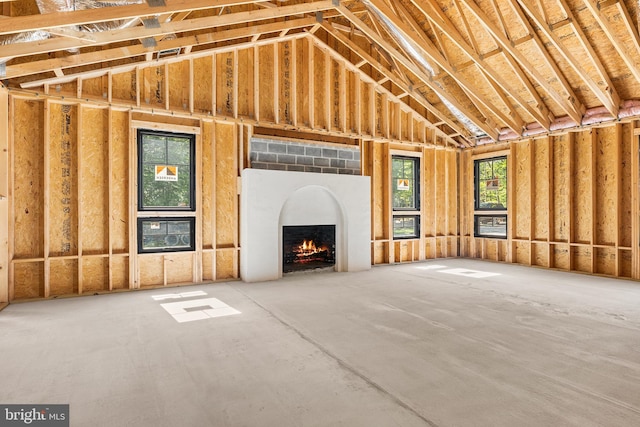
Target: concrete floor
(408,345)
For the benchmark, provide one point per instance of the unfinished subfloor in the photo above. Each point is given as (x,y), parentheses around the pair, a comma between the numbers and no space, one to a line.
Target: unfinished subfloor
(449,343)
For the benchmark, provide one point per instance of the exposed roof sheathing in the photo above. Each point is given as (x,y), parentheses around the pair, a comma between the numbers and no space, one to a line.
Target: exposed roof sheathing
(491,69)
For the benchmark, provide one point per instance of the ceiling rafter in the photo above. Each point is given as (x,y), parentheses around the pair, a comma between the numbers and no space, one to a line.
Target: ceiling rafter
(428,80)
(618,44)
(608,96)
(23,24)
(429,49)
(402,85)
(406,88)
(51,45)
(114,54)
(569,104)
(438,18)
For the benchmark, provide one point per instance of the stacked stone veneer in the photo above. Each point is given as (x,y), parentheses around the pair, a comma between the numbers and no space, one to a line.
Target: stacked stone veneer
(304,157)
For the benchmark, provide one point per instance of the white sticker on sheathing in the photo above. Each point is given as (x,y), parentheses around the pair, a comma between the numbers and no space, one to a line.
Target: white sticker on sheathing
(469,273)
(201,309)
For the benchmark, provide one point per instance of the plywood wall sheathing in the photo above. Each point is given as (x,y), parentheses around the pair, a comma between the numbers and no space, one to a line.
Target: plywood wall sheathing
(266,99)
(4,196)
(152,270)
(119,158)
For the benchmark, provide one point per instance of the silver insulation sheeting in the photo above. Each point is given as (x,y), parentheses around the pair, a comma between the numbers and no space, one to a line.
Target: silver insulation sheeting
(54,6)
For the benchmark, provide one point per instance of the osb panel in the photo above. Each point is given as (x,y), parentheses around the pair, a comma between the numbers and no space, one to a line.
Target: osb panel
(581,257)
(179,268)
(380,252)
(179,78)
(561,257)
(440,248)
(378,186)
(63,180)
(521,255)
(285,79)
(28,180)
(582,200)
(246,90)
(624,262)
(153,86)
(541,195)
(522,189)
(203,84)
(119,157)
(63,277)
(561,178)
(452,208)
(606,188)
(440,193)
(28,280)
(337,90)
(429,198)
(226,182)
(265,82)
(365,109)
(319,89)
(540,254)
(124,86)
(96,87)
(224,264)
(351,92)
(605,261)
(302,81)
(380,118)
(151,270)
(94,199)
(624,207)
(393,120)
(207,266)
(208,190)
(491,249)
(502,250)
(225,96)
(120,272)
(430,248)
(95,274)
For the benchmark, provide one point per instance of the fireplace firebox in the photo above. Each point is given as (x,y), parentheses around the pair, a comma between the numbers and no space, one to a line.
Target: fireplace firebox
(308,247)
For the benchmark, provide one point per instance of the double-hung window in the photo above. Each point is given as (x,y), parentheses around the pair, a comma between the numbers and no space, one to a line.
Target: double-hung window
(166,191)
(490,217)
(405,184)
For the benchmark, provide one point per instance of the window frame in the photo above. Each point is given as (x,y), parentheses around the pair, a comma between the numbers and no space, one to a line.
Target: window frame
(407,212)
(192,234)
(489,212)
(192,171)
(476,226)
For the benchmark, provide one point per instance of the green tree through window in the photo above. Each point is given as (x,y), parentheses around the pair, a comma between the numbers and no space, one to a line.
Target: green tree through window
(166,171)
(404,176)
(491,184)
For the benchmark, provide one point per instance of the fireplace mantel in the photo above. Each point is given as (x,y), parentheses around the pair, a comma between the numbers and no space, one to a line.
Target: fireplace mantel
(273,199)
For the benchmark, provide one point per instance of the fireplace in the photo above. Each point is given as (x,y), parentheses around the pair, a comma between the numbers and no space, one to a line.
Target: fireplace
(308,247)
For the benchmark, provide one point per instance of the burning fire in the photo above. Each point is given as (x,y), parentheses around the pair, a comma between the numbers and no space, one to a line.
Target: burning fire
(307,248)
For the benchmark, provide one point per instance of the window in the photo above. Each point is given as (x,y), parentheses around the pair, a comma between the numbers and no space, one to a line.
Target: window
(166,183)
(166,234)
(405,180)
(490,219)
(405,176)
(165,171)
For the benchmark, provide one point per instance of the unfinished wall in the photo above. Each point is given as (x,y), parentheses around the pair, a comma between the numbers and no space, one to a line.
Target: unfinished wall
(573,202)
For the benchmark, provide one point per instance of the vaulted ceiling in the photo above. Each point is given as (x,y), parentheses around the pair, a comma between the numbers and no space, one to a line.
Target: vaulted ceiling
(484,70)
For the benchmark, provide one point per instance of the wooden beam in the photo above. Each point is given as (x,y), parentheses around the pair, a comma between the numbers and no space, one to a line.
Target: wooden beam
(631,60)
(114,36)
(417,71)
(382,69)
(4,196)
(608,96)
(431,52)
(569,104)
(22,24)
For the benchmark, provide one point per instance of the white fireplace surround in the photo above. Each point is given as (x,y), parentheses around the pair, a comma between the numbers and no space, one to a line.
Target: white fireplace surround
(272,199)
